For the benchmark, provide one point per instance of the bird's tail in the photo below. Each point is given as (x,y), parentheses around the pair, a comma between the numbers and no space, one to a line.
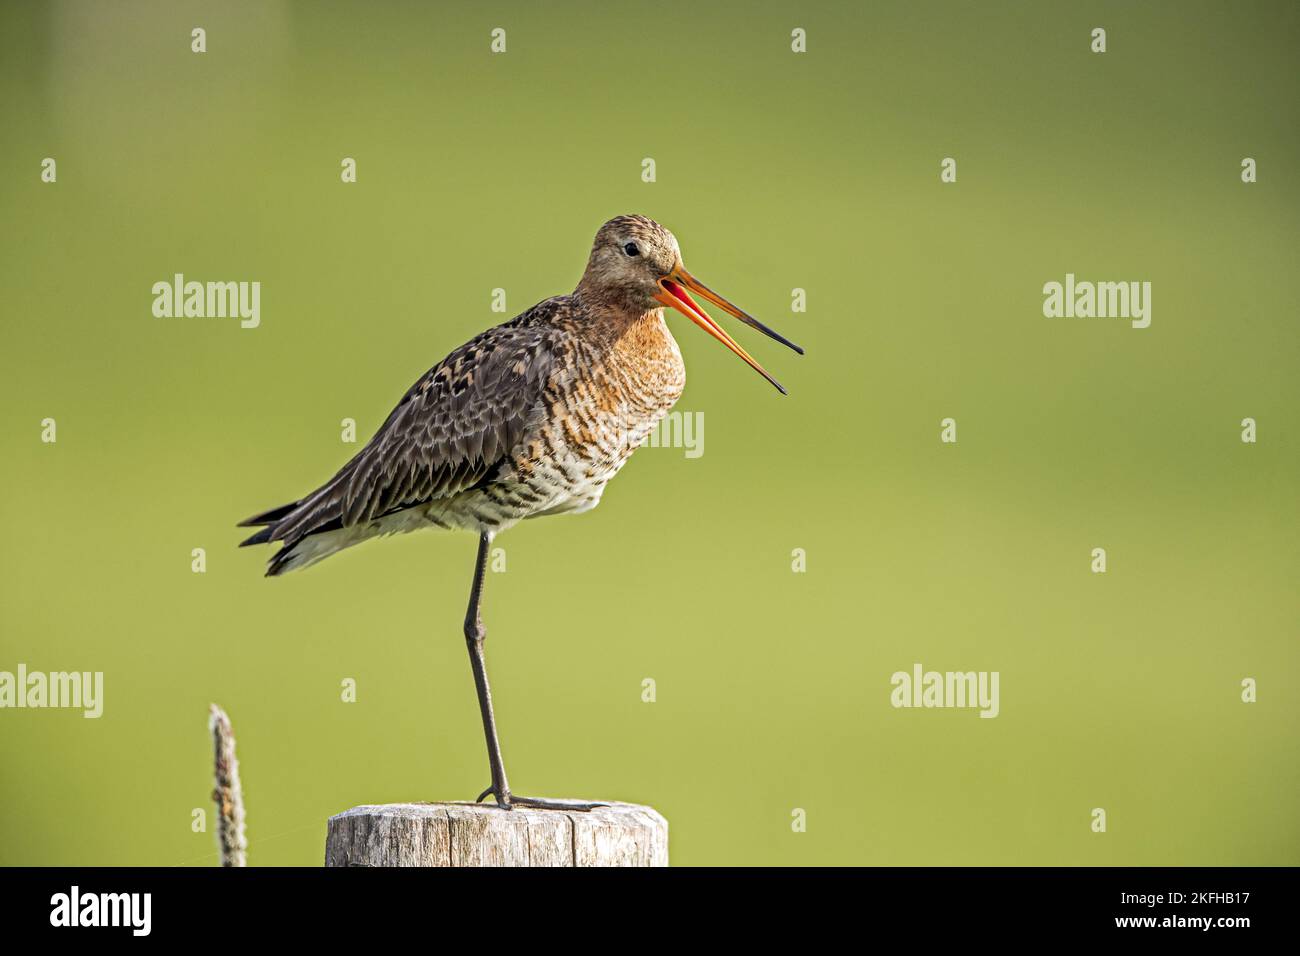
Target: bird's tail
(307,527)
(269,519)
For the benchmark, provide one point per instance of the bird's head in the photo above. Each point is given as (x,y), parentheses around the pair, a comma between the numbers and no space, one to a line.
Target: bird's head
(636,266)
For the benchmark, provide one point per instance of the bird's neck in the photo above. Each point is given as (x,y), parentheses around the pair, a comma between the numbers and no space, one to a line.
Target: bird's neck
(618,327)
(601,299)
(612,316)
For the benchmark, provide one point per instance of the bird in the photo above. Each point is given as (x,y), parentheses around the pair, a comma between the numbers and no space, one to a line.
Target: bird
(530,418)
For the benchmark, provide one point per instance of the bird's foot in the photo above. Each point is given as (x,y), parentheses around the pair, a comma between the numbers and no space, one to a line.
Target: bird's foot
(508,800)
(555,804)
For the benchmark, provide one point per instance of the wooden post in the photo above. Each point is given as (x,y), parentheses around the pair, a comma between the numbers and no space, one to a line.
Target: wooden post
(466,834)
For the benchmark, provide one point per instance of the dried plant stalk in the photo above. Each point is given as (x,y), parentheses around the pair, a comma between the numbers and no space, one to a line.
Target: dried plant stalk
(228,795)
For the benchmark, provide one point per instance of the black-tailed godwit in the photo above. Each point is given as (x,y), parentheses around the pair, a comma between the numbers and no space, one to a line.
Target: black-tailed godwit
(530,418)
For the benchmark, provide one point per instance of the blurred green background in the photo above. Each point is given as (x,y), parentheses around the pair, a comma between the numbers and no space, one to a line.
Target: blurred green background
(776,171)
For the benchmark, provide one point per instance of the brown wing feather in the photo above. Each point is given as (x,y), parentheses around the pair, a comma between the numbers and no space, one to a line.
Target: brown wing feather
(449,432)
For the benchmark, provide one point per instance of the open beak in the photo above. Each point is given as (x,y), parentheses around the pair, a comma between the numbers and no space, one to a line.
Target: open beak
(674,293)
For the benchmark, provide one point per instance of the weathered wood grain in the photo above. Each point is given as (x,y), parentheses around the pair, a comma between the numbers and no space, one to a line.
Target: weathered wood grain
(463,834)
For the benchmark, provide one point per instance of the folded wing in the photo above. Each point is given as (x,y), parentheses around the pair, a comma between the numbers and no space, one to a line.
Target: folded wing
(452,430)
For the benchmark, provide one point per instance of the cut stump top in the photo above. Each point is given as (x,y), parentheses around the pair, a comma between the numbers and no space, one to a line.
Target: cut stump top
(467,834)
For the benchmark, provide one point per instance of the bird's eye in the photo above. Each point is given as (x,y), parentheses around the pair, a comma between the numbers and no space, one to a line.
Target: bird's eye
(631,249)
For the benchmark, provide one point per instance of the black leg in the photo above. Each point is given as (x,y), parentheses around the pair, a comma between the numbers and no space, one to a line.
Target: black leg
(475,635)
